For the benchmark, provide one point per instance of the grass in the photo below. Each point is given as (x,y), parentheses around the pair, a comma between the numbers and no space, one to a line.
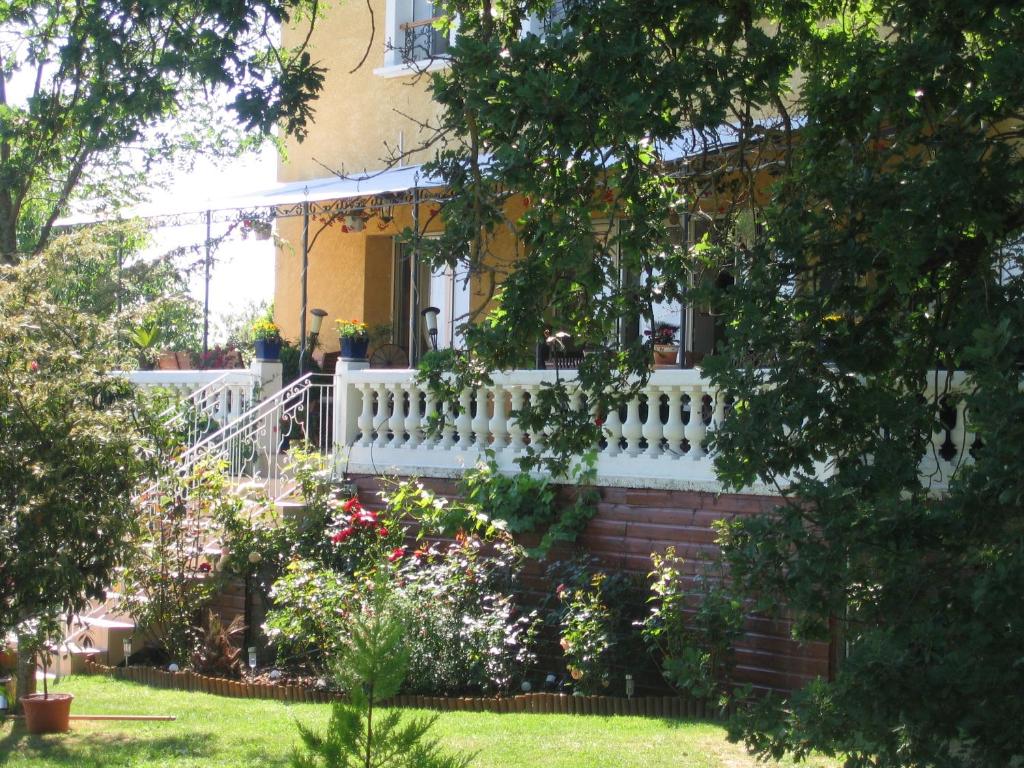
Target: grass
(215,732)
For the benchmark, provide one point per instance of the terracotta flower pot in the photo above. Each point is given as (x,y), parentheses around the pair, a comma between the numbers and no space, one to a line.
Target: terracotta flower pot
(666,354)
(47,714)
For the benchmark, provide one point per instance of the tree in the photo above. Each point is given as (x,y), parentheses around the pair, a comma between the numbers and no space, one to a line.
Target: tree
(873,252)
(91,93)
(72,449)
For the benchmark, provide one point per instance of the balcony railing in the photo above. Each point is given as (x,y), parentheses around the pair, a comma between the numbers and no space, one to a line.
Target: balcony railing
(420,40)
(383,419)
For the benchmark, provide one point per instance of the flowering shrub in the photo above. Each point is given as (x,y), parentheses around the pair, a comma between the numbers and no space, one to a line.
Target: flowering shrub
(312,605)
(465,632)
(595,616)
(693,624)
(352,329)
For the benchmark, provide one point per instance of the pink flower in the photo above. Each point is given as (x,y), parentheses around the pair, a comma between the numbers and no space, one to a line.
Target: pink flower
(33,366)
(396,554)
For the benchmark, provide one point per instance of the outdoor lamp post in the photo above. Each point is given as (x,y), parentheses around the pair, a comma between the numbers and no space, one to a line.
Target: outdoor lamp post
(430,319)
(630,687)
(126,647)
(316,323)
(314,333)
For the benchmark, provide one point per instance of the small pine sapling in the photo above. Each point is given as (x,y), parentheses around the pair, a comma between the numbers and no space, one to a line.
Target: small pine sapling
(372,667)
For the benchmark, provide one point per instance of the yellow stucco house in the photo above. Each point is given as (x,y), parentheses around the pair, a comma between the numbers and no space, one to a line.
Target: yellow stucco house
(340,253)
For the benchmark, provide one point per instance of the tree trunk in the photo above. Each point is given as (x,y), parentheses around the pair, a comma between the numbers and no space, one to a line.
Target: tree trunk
(24,676)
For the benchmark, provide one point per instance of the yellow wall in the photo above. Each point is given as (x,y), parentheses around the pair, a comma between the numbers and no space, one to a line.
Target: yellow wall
(357,111)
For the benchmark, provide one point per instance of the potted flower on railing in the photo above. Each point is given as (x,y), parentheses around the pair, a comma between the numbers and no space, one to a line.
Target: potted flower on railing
(663,339)
(266,337)
(354,337)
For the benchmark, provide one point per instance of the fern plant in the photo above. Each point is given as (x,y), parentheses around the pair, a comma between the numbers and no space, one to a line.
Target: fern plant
(373,664)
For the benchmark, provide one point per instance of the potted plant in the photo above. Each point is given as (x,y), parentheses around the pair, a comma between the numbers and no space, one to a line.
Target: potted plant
(44,712)
(355,339)
(266,338)
(663,339)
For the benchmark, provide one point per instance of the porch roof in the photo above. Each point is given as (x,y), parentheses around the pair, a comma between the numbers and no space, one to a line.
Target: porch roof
(383,187)
(286,199)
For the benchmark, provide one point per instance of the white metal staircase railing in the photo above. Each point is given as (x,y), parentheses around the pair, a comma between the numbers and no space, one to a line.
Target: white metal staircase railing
(255,445)
(209,399)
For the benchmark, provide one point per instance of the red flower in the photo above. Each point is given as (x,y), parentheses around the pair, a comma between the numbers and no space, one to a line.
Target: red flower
(396,554)
(205,568)
(343,534)
(598,422)
(364,518)
(382,531)
(352,505)
(33,366)
(419,554)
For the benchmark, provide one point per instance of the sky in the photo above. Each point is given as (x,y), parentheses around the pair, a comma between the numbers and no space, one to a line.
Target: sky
(243,271)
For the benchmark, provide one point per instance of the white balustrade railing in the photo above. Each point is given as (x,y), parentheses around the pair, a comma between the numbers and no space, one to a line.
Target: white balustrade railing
(658,439)
(203,401)
(383,425)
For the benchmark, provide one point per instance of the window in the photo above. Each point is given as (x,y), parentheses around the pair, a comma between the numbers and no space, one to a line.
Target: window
(444,289)
(412,42)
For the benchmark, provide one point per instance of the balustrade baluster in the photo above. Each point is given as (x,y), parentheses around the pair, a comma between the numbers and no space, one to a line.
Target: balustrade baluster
(413,421)
(632,429)
(397,421)
(499,420)
(674,432)
(448,427)
(695,429)
(382,419)
(536,435)
(613,432)
(480,420)
(464,421)
(430,436)
(515,430)
(653,428)
(365,420)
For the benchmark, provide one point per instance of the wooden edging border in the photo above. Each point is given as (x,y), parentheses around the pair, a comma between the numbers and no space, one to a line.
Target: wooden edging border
(675,707)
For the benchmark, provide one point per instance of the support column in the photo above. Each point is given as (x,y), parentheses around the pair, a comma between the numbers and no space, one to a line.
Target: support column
(348,406)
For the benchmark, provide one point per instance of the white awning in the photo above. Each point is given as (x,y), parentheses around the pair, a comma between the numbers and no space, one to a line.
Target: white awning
(385,182)
(371,184)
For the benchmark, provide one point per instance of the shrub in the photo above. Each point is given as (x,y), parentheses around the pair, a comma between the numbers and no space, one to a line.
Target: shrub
(372,664)
(595,618)
(693,624)
(174,573)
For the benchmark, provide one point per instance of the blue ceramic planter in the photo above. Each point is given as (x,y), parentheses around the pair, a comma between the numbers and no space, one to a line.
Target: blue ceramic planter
(354,347)
(267,350)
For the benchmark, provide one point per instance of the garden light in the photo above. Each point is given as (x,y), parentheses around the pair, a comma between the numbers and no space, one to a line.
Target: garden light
(318,320)
(430,318)
(630,687)
(126,647)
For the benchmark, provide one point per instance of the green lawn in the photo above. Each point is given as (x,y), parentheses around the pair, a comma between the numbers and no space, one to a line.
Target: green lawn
(215,732)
